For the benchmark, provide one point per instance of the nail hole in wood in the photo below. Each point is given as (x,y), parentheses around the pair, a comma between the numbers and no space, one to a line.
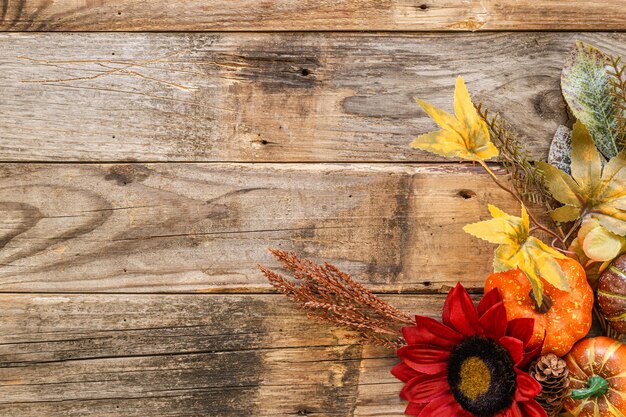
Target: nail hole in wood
(423,6)
(264,142)
(305,72)
(119,13)
(466,194)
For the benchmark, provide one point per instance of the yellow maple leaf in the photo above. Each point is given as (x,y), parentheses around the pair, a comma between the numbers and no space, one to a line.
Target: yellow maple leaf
(464,135)
(591,191)
(520,250)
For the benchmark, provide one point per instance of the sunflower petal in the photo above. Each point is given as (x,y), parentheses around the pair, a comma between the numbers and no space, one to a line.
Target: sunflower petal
(430,332)
(514,346)
(404,372)
(527,387)
(532,409)
(424,388)
(488,300)
(414,409)
(459,312)
(424,358)
(494,322)
(521,328)
(442,406)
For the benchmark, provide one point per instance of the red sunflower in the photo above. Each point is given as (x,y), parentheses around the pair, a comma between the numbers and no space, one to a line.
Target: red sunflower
(469,366)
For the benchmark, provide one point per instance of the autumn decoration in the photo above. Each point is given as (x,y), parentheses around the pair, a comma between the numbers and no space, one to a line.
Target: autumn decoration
(559,262)
(563,318)
(597,368)
(612,295)
(552,374)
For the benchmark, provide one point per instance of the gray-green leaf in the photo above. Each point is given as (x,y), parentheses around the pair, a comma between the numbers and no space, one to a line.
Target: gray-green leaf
(586,88)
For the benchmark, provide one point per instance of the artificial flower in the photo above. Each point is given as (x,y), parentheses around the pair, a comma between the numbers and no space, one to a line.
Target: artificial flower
(471,364)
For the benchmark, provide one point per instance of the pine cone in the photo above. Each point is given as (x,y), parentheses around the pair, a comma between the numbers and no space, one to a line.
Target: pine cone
(552,373)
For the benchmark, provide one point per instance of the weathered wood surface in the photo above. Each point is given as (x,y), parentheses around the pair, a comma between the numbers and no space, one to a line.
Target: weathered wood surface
(273,15)
(188,355)
(266,97)
(205,227)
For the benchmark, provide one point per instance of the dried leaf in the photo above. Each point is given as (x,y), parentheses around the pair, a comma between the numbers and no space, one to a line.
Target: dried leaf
(591,191)
(586,87)
(561,149)
(520,250)
(463,135)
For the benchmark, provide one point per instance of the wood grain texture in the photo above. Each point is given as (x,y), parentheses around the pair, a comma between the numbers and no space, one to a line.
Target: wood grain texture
(277,15)
(296,97)
(188,355)
(205,227)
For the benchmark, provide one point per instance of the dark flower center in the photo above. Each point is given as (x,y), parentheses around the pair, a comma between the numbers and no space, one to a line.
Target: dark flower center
(481,375)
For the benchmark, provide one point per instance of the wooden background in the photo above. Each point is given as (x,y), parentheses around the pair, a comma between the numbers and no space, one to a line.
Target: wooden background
(151,152)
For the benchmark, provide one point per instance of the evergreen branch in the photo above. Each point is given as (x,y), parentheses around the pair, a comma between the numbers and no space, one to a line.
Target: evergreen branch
(527,180)
(332,296)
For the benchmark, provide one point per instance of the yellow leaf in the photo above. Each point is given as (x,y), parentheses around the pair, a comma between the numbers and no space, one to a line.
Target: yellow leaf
(561,186)
(464,135)
(591,191)
(519,250)
(565,214)
(525,219)
(507,257)
(586,161)
(613,223)
(498,230)
(495,211)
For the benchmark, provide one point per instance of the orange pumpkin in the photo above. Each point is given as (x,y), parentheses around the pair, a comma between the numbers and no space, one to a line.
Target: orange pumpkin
(564,317)
(597,371)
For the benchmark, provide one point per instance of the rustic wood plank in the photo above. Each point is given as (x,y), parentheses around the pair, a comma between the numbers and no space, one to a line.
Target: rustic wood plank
(205,227)
(188,355)
(266,97)
(278,15)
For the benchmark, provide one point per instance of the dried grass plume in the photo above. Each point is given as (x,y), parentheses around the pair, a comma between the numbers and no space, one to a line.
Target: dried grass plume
(333,296)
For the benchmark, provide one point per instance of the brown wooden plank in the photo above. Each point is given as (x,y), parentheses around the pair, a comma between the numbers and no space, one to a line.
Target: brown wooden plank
(277,15)
(188,355)
(266,97)
(205,227)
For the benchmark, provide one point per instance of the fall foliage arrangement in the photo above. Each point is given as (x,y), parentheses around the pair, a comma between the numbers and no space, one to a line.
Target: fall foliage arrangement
(525,349)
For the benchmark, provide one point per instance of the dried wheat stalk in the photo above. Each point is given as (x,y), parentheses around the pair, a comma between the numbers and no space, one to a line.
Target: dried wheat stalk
(333,296)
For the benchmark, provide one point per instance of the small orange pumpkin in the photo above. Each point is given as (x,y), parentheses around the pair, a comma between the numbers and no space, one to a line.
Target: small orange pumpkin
(597,371)
(564,317)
